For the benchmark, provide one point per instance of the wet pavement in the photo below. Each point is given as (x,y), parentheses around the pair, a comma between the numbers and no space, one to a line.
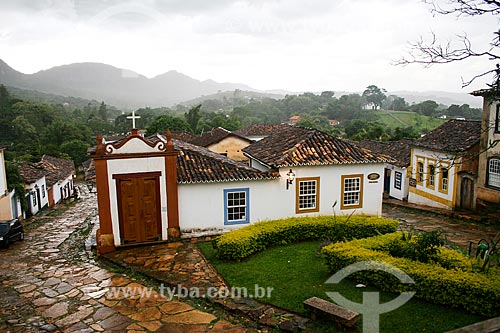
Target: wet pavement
(459,229)
(50,283)
(46,289)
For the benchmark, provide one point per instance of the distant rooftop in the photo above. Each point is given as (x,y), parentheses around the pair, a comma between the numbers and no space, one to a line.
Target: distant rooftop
(399,150)
(453,136)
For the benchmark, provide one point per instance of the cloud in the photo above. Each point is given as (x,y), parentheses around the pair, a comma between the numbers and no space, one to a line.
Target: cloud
(289,44)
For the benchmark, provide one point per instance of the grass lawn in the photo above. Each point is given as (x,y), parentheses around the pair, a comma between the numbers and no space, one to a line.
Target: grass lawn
(297,272)
(393,119)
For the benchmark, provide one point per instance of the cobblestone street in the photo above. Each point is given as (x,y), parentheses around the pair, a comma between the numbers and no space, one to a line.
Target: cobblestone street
(459,232)
(49,283)
(46,289)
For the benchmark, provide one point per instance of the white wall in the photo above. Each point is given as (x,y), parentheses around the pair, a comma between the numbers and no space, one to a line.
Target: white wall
(423,195)
(201,206)
(56,189)
(136,165)
(17,204)
(402,193)
(3,176)
(44,199)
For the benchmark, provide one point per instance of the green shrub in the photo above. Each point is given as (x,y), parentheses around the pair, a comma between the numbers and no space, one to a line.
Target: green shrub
(421,246)
(456,286)
(241,243)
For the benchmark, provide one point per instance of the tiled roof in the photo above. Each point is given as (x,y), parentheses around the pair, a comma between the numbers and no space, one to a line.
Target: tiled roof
(57,169)
(216,135)
(298,146)
(184,136)
(485,92)
(399,150)
(89,170)
(197,164)
(453,136)
(259,130)
(31,173)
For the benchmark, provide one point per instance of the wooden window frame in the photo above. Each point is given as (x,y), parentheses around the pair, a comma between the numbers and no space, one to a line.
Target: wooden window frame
(298,181)
(361,188)
(398,180)
(442,178)
(431,175)
(488,173)
(246,220)
(419,175)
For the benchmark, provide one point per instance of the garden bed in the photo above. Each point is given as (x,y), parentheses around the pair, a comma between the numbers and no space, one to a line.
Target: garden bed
(242,243)
(297,272)
(448,279)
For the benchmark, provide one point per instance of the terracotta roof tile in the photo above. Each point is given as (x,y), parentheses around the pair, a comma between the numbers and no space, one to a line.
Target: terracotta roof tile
(57,169)
(89,170)
(197,164)
(31,173)
(399,150)
(259,130)
(216,135)
(296,146)
(184,136)
(453,136)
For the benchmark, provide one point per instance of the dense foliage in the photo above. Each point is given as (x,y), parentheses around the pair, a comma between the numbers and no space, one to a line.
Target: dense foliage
(447,279)
(241,243)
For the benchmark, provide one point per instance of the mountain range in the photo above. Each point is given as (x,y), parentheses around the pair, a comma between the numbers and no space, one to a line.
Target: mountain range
(119,87)
(129,90)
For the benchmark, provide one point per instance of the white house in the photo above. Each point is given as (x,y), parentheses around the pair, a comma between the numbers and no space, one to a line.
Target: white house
(59,178)
(35,186)
(396,180)
(10,207)
(444,166)
(152,189)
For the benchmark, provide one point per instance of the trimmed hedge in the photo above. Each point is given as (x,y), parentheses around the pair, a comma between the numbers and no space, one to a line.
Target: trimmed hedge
(458,287)
(241,243)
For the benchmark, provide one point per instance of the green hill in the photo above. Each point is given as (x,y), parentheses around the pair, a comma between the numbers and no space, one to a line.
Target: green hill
(403,119)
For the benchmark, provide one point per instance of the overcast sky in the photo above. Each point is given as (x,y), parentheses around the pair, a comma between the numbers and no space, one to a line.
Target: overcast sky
(297,45)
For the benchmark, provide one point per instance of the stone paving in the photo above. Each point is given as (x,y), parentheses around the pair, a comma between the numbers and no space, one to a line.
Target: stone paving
(460,230)
(44,291)
(179,263)
(48,286)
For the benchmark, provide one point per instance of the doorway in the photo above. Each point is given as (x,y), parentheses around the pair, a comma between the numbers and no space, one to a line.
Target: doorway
(139,207)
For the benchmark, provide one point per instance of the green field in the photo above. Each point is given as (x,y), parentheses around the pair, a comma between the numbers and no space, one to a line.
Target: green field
(403,119)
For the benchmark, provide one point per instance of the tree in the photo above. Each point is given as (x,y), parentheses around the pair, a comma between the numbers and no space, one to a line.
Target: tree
(163,123)
(429,52)
(374,95)
(103,112)
(193,116)
(393,102)
(426,108)
(76,150)
(327,94)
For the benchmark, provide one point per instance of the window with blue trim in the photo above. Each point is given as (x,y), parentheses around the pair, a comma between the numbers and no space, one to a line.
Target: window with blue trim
(236,206)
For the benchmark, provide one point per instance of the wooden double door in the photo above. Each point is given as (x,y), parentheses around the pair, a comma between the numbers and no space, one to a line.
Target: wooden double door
(139,207)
